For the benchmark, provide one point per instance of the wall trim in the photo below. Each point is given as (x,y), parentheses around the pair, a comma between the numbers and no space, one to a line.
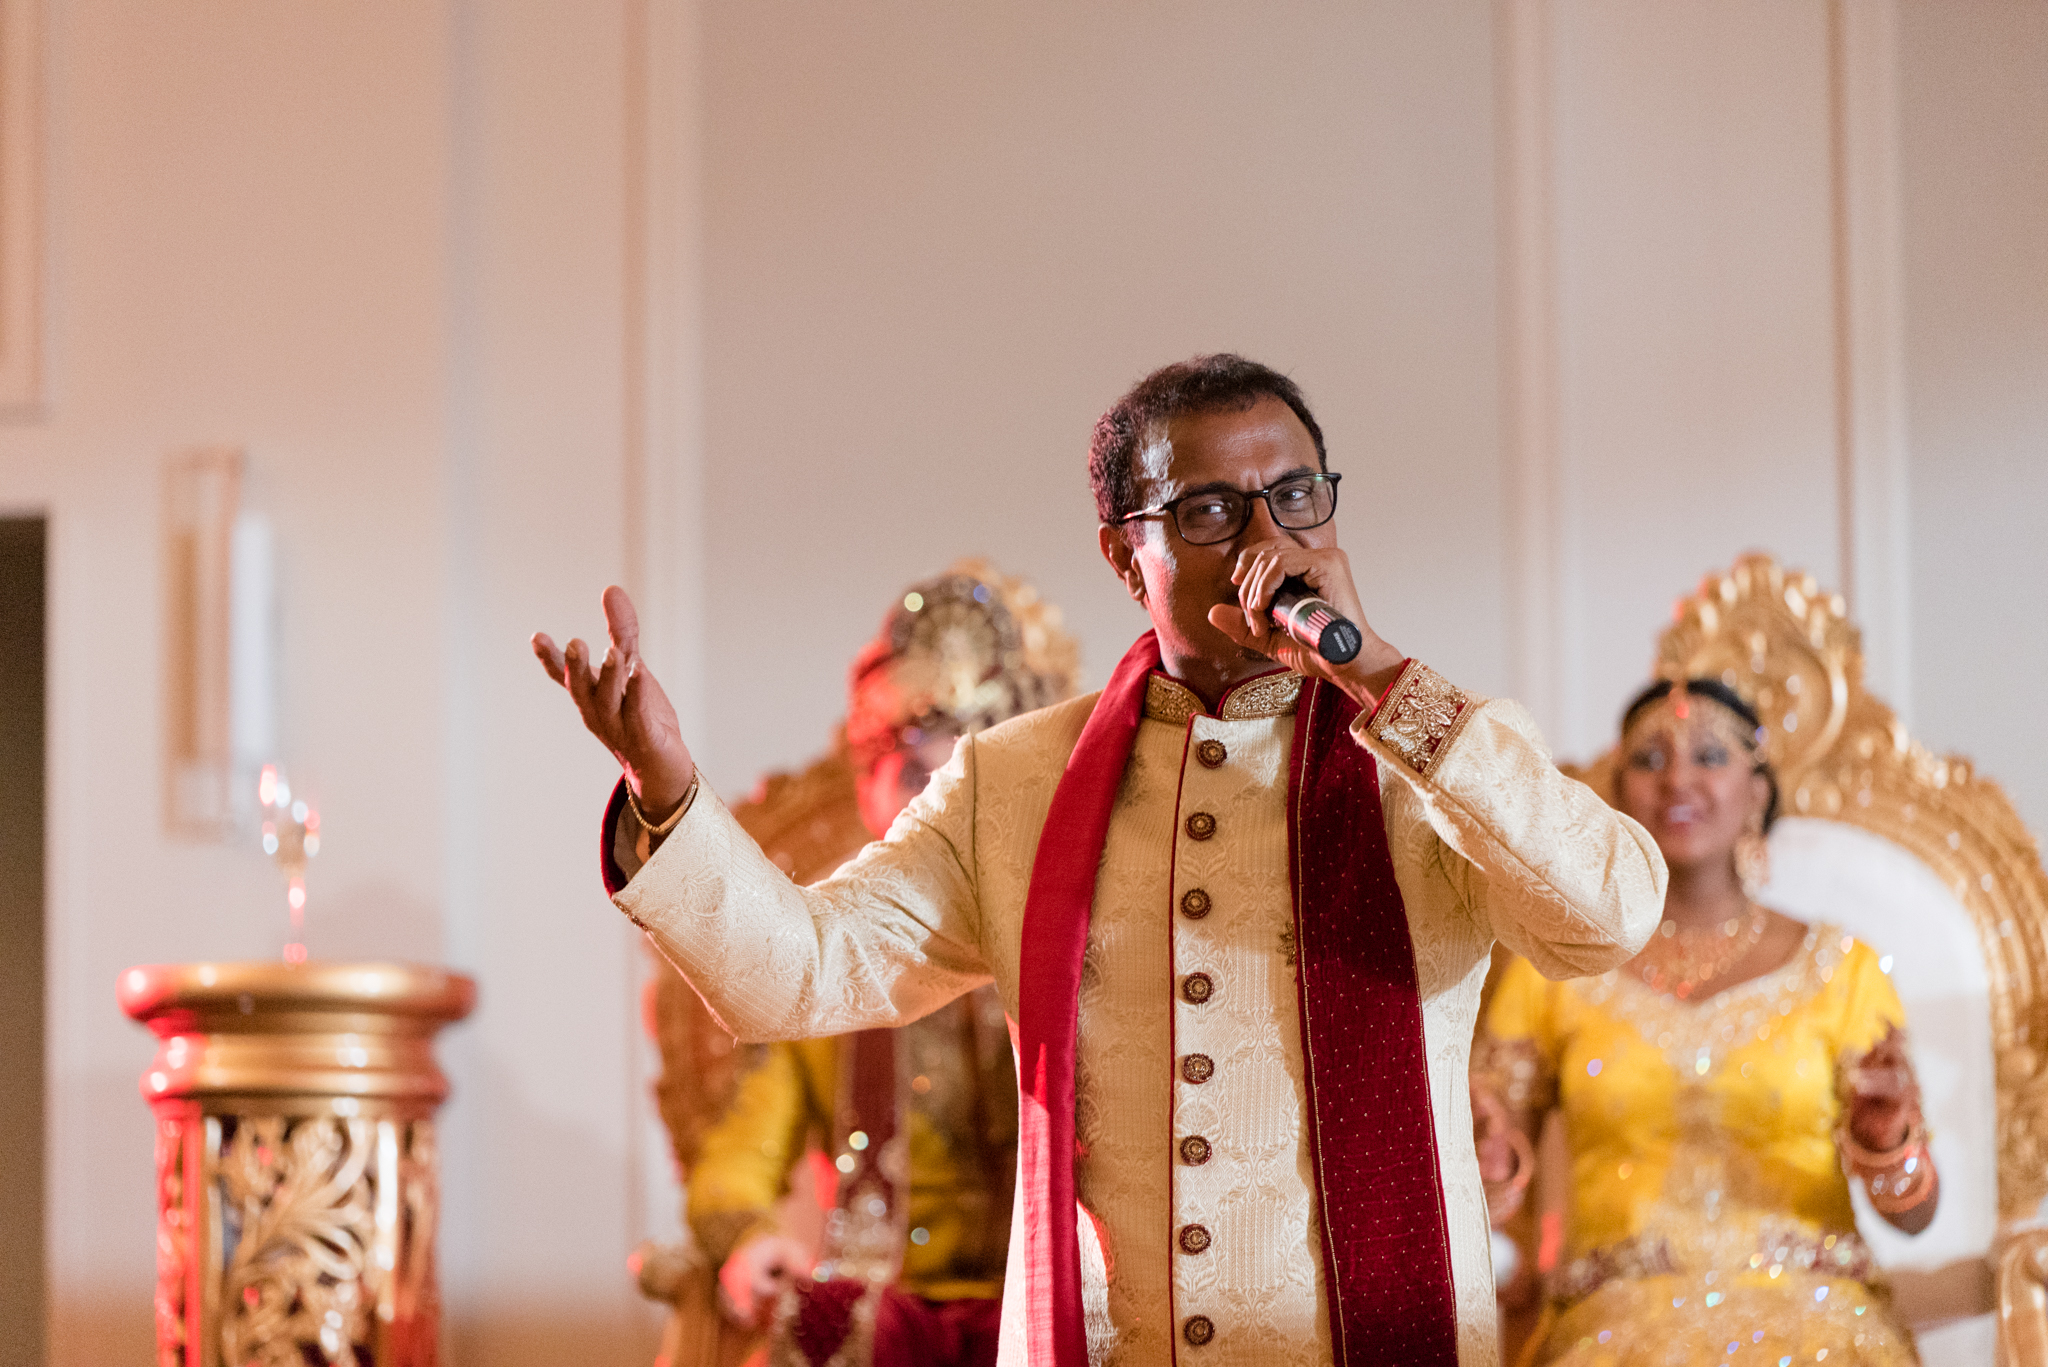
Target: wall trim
(21,207)
(1869,339)
(1538,637)
(662,515)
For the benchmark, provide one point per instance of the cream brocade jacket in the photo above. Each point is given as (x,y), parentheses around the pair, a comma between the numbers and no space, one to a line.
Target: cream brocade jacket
(1189,1114)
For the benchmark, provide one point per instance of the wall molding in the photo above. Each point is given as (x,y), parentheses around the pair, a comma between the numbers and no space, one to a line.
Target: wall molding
(1540,643)
(21,206)
(1869,339)
(663,459)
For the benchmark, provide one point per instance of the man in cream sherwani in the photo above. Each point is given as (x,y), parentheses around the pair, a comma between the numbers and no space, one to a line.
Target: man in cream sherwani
(1259,1105)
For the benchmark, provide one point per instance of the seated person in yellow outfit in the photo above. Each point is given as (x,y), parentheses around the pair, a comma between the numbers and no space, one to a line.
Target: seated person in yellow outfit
(1720,1092)
(912,1270)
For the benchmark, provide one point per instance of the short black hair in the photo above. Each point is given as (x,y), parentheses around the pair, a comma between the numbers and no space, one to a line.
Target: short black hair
(1716,691)
(1206,384)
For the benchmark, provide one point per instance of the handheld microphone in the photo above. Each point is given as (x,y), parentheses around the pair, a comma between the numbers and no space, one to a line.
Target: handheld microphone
(1313,622)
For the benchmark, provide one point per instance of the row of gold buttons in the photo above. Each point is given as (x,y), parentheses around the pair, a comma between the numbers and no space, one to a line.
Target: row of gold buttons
(1197,988)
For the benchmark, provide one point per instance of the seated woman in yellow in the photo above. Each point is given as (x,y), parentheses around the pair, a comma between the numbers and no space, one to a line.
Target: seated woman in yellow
(1719,1092)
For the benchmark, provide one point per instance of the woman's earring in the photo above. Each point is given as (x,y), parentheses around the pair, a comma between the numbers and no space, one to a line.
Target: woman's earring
(1753,859)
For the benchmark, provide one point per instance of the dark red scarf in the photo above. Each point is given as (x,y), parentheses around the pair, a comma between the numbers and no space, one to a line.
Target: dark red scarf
(1386,1245)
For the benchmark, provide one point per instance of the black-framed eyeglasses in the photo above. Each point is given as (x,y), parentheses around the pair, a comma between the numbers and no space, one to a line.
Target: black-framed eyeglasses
(1295,503)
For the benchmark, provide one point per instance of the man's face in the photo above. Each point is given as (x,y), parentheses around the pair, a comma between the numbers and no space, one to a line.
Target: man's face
(1252,448)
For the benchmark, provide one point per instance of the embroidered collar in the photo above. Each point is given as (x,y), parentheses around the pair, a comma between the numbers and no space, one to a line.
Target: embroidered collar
(1268,695)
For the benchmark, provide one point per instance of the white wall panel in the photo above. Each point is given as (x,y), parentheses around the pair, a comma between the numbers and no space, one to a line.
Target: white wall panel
(540,1155)
(1695,322)
(941,239)
(1974,131)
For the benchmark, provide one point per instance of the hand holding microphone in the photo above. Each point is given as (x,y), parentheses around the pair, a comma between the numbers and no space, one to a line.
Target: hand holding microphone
(1300,613)
(1297,605)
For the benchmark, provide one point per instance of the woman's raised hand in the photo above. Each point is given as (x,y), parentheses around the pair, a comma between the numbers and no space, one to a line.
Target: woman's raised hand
(625,708)
(1884,1098)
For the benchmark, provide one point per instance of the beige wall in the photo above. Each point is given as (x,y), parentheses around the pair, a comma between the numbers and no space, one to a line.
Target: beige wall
(490,343)
(940,240)
(380,246)
(1974,115)
(1695,320)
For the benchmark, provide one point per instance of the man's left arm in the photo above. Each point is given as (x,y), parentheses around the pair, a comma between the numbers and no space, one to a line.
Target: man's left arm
(1568,882)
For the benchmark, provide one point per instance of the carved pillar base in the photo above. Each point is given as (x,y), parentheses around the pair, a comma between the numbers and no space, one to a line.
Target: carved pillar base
(297,1184)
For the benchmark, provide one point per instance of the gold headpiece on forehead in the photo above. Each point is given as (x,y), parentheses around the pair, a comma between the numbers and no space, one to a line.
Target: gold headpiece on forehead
(966,650)
(1682,709)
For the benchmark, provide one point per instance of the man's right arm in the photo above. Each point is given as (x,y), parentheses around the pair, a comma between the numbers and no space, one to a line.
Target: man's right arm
(891,937)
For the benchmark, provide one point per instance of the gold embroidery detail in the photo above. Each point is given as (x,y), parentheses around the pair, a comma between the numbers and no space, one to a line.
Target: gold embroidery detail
(1269,695)
(1839,1254)
(1287,945)
(1678,1318)
(1171,702)
(1421,715)
(1695,1038)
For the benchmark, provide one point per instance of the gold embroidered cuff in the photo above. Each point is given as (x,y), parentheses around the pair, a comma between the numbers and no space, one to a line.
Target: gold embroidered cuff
(1421,716)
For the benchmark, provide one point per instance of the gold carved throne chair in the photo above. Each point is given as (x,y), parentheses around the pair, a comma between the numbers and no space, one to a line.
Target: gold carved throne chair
(1926,861)
(809,824)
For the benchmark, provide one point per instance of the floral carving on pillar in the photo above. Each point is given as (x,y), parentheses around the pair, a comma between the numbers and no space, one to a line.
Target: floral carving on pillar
(298,1203)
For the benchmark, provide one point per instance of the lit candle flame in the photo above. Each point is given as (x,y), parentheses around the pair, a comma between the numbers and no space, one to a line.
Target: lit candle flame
(291,836)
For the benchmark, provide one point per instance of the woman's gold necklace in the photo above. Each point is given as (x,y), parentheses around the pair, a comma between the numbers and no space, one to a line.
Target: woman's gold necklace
(1677,960)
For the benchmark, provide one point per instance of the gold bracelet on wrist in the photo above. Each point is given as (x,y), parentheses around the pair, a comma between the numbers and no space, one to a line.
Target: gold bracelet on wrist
(663,827)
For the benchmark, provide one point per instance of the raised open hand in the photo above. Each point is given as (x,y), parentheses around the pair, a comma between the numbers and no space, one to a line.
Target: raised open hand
(624,707)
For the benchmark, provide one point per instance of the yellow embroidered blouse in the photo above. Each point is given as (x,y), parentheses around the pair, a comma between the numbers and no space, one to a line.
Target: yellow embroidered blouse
(1709,1210)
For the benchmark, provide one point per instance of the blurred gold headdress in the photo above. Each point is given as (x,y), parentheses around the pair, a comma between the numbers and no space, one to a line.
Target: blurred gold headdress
(1685,708)
(966,650)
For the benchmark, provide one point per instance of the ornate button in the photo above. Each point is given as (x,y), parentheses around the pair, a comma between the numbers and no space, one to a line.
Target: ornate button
(1212,754)
(1197,988)
(1201,825)
(1198,1068)
(1195,904)
(1194,1151)
(1197,1330)
(1194,1238)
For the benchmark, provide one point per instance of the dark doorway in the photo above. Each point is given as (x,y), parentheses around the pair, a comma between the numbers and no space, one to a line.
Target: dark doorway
(22,1277)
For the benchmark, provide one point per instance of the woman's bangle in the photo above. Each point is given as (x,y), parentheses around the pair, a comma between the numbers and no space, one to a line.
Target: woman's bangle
(1870,1160)
(1504,1198)
(1897,1179)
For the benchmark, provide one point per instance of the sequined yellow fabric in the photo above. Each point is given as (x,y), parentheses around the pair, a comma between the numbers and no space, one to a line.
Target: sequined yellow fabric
(1711,1221)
